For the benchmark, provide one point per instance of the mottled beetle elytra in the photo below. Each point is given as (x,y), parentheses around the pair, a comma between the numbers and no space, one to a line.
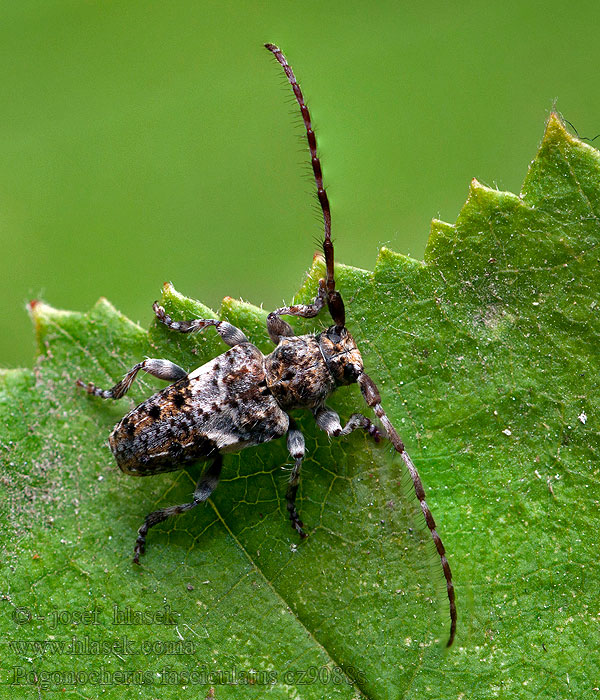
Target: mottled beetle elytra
(243,398)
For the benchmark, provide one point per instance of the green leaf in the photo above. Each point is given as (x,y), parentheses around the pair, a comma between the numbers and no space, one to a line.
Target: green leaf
(485,355)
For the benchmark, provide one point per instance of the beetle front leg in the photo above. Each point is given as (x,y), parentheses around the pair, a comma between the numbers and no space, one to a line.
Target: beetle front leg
(329,421)
(279,328)
(163,369)
(206,485)
(295,443)
(230,334)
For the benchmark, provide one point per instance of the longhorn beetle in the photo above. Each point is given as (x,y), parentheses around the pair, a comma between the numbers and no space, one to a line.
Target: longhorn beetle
(243,398)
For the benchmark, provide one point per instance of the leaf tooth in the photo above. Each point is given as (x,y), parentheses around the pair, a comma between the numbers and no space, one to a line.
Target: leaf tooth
(479,190)
(44,317)
(40,312)
(556,131)
(103,305)
(441,234)
(482,201)
(174,300)
(231,308)
(387,257)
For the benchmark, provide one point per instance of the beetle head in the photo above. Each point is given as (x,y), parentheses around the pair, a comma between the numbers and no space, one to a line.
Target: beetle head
(342,356)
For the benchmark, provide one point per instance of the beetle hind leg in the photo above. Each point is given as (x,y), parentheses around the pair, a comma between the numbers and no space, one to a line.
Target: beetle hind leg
(163,369)
(206,485)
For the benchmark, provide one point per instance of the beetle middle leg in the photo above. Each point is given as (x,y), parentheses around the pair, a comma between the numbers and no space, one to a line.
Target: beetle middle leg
(163,369)
(295,443)
(229,333)
(206,485)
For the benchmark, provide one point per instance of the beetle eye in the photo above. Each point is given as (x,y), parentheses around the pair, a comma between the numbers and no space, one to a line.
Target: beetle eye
(350,372)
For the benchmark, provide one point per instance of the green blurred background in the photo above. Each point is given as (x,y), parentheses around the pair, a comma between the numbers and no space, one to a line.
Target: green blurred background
(150,141)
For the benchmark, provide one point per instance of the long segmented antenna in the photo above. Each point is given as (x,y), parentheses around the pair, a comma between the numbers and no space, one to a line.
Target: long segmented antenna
(372,397)
(334,300)
(336,309)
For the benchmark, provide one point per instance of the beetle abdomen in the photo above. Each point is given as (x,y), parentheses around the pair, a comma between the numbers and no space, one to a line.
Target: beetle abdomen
(222,406)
